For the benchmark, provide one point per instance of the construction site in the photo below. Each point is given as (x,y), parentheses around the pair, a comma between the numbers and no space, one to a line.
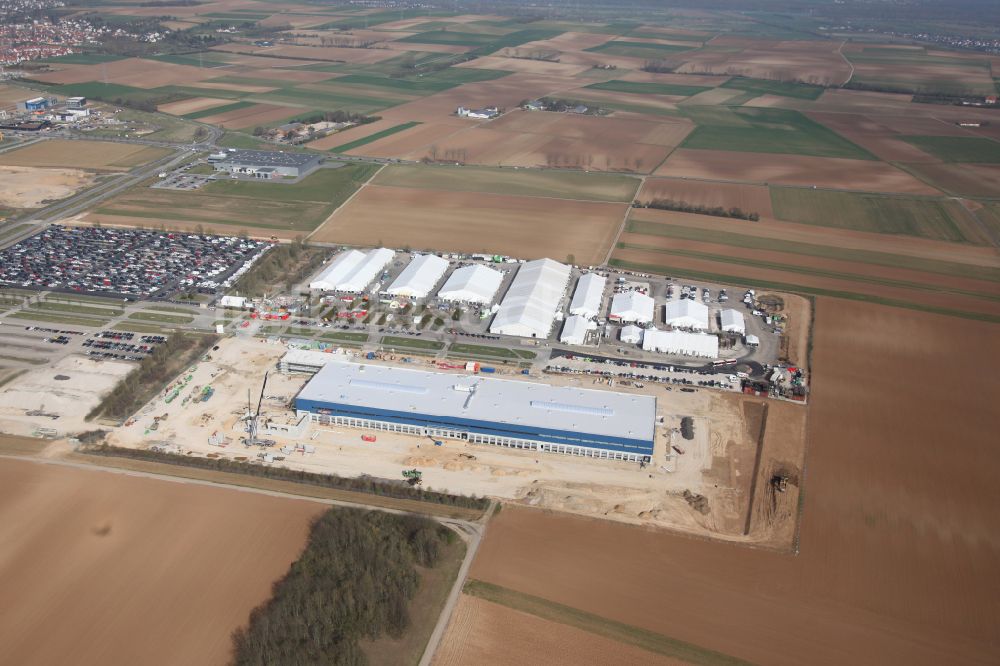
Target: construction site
(710,448)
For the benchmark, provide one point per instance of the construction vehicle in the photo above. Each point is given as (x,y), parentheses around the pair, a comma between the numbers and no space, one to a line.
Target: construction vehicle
(253,420)
(413,476)
(41,412)
(780,482)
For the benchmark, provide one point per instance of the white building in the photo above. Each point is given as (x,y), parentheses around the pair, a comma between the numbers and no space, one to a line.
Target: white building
(352,270)
(732,321)
(479,114)
(632,306)
(471,284)
(752,341)
(418,279)
(575,330)
(233,302)
(630,335)
(588,295)
(681,343)
(530,305)
(686,314)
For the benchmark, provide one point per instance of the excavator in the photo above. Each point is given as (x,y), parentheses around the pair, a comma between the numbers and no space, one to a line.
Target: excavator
(413,476)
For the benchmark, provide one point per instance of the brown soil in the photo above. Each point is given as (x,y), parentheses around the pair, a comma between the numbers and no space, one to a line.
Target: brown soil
(971,180)
(808,61)
(100,155)
(481,632)
(898,533)
(749,198)
(528,227)
(93,561)
(28,187)
(872,135)
(131,72)
(192,105)
(839,173)
(132,222)
(251,116)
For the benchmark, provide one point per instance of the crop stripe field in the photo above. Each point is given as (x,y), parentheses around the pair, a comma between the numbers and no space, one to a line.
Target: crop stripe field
(373,137)
(600,626)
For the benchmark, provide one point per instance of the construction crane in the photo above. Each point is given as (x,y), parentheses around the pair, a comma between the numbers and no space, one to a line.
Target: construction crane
(253,418)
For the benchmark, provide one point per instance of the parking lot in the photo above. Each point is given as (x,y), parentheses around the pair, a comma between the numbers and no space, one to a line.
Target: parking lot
(126,263)
(183,181)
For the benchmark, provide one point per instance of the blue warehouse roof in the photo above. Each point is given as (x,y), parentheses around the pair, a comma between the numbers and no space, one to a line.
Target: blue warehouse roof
(478,400)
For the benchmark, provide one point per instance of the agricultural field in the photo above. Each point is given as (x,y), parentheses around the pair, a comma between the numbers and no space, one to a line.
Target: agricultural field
(520,226)
(916,69)
(261,209)
(958,148)
(859,556)
(96,535)
(909,272)
(95,155)
(556,184)
(813,62)
(31,187)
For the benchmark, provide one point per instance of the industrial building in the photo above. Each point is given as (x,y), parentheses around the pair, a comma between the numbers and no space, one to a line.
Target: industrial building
(588,295)
(686,314)
(471,284)
(681,343)
(307,361)
(632,307)
(575,330)
(265,163)
(731,321)
(482,410)
(35,104)
(352,271)
(630,335)
(419,277)
(530,306)
(76,102)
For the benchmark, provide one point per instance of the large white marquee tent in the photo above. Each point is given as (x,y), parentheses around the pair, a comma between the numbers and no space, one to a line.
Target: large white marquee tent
(419,277)
(632,306)
(679,342)
(530,305)
(471,284)
(352,271)
(686,314)
(588,295)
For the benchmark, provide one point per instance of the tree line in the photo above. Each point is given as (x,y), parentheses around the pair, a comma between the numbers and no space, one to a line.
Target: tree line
(353,582)
(699,209)
(284,266)
(363,484)
(138,386)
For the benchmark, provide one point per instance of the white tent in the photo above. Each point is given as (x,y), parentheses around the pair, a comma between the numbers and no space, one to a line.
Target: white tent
(417,279)
(686,314)
(631,335)
(588,295)
(575,329)
(732,321)
(233,301)
(352,271)
(532,300)
(471,284)
(679,342)
(632,306)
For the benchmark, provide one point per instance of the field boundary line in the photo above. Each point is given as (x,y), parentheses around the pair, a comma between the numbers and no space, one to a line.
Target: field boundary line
(620,632)
(624,223)
(345,202)
(840,50)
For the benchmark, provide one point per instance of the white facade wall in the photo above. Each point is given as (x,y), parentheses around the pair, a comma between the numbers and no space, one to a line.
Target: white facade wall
(575,329)
(681,343)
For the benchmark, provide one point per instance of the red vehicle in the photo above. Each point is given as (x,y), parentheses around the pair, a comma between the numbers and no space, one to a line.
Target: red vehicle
(368,438)
(244,324)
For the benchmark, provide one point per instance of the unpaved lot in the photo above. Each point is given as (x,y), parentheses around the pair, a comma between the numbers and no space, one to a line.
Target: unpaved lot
(529,227)
(894,560)
(27,187)
(104,568)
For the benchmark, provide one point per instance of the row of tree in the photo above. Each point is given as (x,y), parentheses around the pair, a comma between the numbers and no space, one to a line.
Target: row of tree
(699,209)
(363,484)
(281,268)
(353,582)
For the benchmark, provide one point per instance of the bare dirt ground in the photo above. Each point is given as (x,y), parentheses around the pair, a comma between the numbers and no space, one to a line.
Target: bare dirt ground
(873,136)
(475,222)
(192,105)
(10,95)
(510,64)
(749,198)
(237,87)
(480,632)
(895,559)
(108,569)
(973,180)
(28,187)
(831,172)
(250,116)
(808,61)
(132,222)
(99,155)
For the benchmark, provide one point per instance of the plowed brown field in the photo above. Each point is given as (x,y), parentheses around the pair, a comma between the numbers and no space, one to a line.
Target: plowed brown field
(971,180)
(749,198)
(872,136)
(898,540)
(99,155)
(806,61)
(102,568)
(130,72)
(831,172)
(480,632)
(519,226)
(250,116)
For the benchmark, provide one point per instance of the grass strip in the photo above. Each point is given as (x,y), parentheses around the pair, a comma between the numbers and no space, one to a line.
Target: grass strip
(600,626)
(393,341)
(664,269)
(59,319)
(350,337)
(75,309)
(138,328)
(225,108)
(373,137)
(483,350)
(164,318)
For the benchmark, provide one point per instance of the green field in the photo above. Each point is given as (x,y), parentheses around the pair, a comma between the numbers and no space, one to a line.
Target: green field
(163,318)
(82,59)
(496,352)
(550,183)
(649,88)
(204,113)
(924,217)
(765,244)
(762,87)
(766,131)
(449,37)
(351,145)
(424,85)
(59,319)
(958,148)
(345,337)
(377,18)
(138,328)
(413,343)
(76,309)
(300,206)
(651,50)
